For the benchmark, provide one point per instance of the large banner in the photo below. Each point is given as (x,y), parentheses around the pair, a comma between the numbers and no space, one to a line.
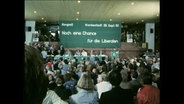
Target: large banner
(90,34)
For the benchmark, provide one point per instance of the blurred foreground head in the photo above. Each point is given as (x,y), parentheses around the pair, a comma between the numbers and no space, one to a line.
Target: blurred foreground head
(35,81)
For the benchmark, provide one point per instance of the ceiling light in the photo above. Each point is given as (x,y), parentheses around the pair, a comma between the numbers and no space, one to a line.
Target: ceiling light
(77,19)
(77,12)
(110,19)
(118,13)
(34,11)
(78,1)
(142,20)
(42,18)
(132,3)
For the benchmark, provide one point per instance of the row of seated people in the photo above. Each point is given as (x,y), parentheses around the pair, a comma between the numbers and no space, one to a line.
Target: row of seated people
(69,52)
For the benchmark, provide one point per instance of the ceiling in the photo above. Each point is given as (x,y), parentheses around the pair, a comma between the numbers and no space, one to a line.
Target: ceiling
(93,10)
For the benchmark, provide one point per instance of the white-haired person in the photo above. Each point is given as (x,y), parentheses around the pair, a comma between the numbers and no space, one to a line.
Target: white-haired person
(102,84)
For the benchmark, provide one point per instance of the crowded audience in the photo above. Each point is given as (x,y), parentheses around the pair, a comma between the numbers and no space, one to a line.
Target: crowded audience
(107,80)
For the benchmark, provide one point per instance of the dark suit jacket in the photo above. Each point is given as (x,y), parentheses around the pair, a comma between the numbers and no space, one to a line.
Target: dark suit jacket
(62,51)
(117,96)
(135,85)
(62,92)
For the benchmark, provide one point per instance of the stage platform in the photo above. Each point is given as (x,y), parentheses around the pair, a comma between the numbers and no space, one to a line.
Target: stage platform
(130,50)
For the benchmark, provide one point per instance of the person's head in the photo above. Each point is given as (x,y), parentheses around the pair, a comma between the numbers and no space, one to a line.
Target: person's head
(50,77)
(94,70)
(155,70)
(48,67)
(81,68)
(114,77)
(146,78)
(124,75)
(102,77)
(35,81)
(85,82)
(74,76)
(103,58)
(58,72)
(60,80)
(134,74)
(66,61)
(141,70)
(156,74)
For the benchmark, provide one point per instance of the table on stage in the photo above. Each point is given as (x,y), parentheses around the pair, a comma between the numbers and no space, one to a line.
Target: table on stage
(79,58)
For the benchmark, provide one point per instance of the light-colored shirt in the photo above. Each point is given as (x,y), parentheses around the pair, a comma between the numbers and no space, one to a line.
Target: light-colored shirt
(44,54)
(53,98)
(84,53)
(84,97)
(103,86)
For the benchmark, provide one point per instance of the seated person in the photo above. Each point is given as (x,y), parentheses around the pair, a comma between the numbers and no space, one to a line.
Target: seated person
(120,91)
(77,53)
(68,53)
(52,98)
(60,89)
(84,53)
(86,93)
(102,85)
(143,97)
(91,53)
